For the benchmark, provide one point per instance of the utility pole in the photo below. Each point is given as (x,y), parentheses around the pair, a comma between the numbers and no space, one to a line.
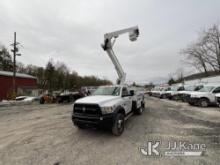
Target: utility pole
(14,50)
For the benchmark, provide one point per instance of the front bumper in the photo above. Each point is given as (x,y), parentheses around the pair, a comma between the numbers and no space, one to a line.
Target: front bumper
(93,121)
(193,100)
(186,97)
(168,95)
(217,99)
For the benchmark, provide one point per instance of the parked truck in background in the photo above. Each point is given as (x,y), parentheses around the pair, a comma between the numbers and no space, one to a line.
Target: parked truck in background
(205,96)
(173,90)
(184,95)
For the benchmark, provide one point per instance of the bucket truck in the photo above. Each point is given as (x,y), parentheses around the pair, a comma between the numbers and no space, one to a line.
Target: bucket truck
(110,106)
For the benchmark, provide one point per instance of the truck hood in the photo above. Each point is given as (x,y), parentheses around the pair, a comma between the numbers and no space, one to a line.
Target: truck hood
(101,100)
(171,92)
(200,94)
(185,92)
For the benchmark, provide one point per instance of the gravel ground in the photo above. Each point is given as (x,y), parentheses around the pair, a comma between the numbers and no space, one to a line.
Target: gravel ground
(45,135)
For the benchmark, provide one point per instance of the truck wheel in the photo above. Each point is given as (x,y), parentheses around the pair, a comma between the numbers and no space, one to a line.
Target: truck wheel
(177,98)
(163,97)
(42,100)
(118,125)
(80,126)
(203,102)
(140,110)
(60,100)
(174,98)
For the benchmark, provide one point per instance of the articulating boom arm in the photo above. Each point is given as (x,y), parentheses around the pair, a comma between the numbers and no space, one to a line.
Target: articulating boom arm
(109,40)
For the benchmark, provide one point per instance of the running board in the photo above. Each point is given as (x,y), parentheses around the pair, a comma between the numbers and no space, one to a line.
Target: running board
(129,115)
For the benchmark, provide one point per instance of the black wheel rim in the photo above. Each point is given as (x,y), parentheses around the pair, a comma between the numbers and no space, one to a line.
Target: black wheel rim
(204,103)
(141,109)
(120,124)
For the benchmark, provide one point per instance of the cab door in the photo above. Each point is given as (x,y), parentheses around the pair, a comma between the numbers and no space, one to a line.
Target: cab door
(127,100)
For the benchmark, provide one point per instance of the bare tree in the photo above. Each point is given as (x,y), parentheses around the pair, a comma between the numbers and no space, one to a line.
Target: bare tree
(204,54)
(195,56)
(20,67)
(212,44)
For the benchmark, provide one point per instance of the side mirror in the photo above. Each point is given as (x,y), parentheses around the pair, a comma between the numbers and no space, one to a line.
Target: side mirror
(132,92)
(124,95)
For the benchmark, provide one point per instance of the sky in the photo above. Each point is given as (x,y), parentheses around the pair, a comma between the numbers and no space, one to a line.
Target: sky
(71,31)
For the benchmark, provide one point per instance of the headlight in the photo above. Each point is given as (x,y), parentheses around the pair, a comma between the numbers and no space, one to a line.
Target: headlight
(106,110)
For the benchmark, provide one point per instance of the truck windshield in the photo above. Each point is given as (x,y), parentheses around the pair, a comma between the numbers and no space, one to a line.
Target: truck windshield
(167,89)
(206,89)
(174,88)
(189,88)
(114,91)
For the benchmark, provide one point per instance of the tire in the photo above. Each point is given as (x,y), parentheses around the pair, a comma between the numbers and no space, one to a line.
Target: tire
(183,99)
(42,100)
(191,103)
(80,126)
(118,125)
(203,102)
(140,110)
(60,100)
(175,98)
(163,96)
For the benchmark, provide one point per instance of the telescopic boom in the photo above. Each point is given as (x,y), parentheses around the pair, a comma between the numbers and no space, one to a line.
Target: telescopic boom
(109,40)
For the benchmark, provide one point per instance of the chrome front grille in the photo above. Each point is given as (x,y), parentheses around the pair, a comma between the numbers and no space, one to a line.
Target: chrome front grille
(87,109)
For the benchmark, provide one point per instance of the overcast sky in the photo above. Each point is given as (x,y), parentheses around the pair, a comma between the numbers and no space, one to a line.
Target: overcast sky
(71,31)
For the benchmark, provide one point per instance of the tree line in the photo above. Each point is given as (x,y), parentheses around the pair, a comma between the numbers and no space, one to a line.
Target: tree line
(54,76)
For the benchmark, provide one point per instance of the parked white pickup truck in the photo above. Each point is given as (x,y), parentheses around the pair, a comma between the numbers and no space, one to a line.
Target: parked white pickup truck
(184,95)
(173,90)
(109,106)
(205,96)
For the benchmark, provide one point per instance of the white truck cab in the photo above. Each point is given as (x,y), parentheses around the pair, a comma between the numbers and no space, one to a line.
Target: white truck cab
(173,90)
(109,106)
(205,96)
